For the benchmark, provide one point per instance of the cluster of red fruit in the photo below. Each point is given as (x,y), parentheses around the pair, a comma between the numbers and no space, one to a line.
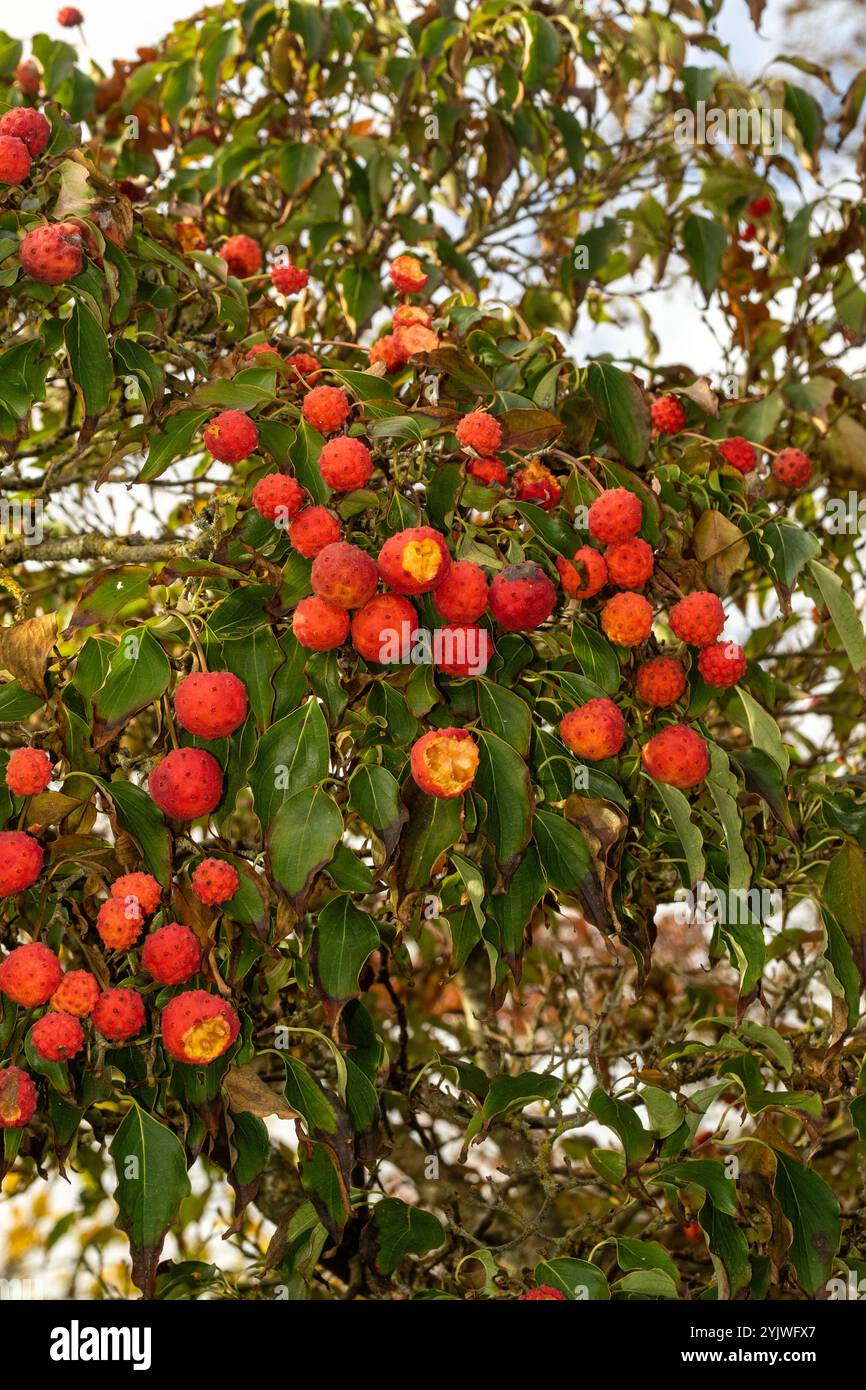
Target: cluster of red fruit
(790,467)
(24,136)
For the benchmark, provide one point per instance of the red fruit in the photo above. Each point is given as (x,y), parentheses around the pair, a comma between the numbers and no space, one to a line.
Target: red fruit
(69,17)
(584,574)
(186,783)
(118,1014)
(444,762)
(242,255)
(30,974)
(257,349)
(29,126)
(171,954)
(198,1027)
(463,649)
(57,1037)
(739,453)
(345,463)
(389,352)
(76,994)
(52,253)
(20,861)
(289,279)
(277,497)
(693,1231)
(28,77)
(759,207)
(17,1098)
(479,431)
(596,730)
(667,415)
(320,625)
(792,468)
(385,629)
(344,574)
(521,597)
(415,338)
(698,618)
(629,563)
(748,232)
(462,595)
(615,515)
(14,160)
(414,561)
(304,363)
(535,483)
(214,881)
(28,771)
(544,1293)
(723,664)
(627,619)
(408,274)
(119,923)
(677,756)
(487,471)
(143,887)
(326,408)
(411,316)
(661,681)
(313,529)
(210,704)
(231,436)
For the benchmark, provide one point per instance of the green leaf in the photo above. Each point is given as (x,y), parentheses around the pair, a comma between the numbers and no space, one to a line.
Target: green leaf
(173,442)
(620,403)
(138,674)
(299,163)
(813,1212)
(846,619)
(503,780)
(434,825)
(845,893)
(807,116)
(596,657)
(301,838)
(577,1279)
(292,754)
(724,790)
(729,1250)
(375,794)
(402,1230)
(346,937)
(508,1094)
(505,715)
(139,815)
(151,1184)
(361,295)
(543,50)
(689,835)
(621,1118)
(17,703)
(90,359)
(705,244)
(645,1255)
(568,864)
(708,1173)
(765,731)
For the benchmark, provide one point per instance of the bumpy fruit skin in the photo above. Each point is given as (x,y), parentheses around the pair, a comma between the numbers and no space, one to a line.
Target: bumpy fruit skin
(389,352)
(465,649)
(629,563)
(119,923)
(414,561)
(76,994)
(739,453)
(407,274)
(257,349)
(385,627)
(535,483)
(118,1014)
(677,756)
(444,762)
(289,279)
(28,77)
(661,681)
(57,1037)
(30,974)
(411,316)
(462,595)
(29,126)
(304,363)
(415,338)
(277,497)
(313,529)
(792,468)
(723,664)
(667,415)
(231,436)
(28,771)
(344,574)
(214,881)
(186,783)
(171,954)
(698,618)
(17,1098)
(595,731)
(543,1294)
(627,619)
(584,575)
(320,625)
(488,471)
(242,255)
(15,160)
(69,17)
(326,409)
(345,464)
(615,515)
(52,254)
(210,704)
(479,431)
(20,861)
(143,887)
(198,1027)
(521,597)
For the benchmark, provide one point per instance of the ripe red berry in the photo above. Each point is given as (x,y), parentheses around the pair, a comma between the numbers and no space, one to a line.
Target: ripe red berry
(57,1037)
(119,923)
(345,463)
(595,730)
(242,255)
(759,207)
(488,471)
(660,681)
(171,954)
(52,254)
(29,78)
(15,160)
(535,483)
(258,349)
(29,126)
(118,1014)
(521,597)
(303,364)
(739,453)
(479,431)
(289,279)
(542,1294)
(384,630)
(615,515)
(444,762)
(277,497)
(344,574)
(313,529)
(326,409)
(69,17)
(697,619)
(408,274)
(17,1098)
(210,704)
(30,974)
(668,415)
(415,338)
(231,436)
(143,887)
(584,574)
(414,561)
(461,597)
(462,649)
(76,994)
(20,861)
(627,619)
(28,771)
(722,664)
(629,563)
(198,1027)
(214,881)
(319,624)
(389,352)
(677,756)
(792,468)
(412,316)
(186,783)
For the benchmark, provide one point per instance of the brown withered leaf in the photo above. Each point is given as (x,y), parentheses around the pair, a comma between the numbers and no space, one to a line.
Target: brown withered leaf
(25,648)
(50,808)
(721,548)
(247,1092)
(703,396)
